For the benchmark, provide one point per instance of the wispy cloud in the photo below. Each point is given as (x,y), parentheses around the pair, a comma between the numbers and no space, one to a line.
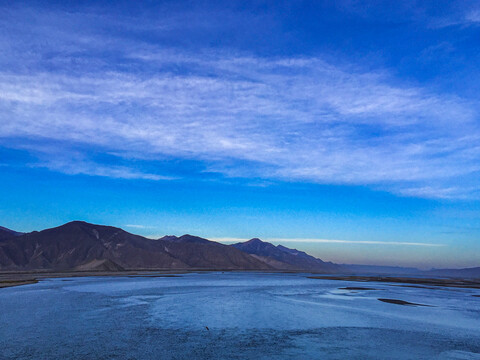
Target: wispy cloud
(94,169)
(468,18)
(241,115)
(137,226)
(75,163)
(321,241)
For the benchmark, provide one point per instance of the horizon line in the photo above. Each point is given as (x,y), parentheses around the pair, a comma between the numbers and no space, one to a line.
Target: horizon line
(310,240)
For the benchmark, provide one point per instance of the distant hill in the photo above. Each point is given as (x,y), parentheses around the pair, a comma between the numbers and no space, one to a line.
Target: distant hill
(379,269)
(80,245)
(283,258)
(460,273)
(398,270)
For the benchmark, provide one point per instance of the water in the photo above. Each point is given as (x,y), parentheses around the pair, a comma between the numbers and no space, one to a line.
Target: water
(249,316)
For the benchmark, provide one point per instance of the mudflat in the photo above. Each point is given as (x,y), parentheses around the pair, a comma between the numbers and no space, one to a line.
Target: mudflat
(9,279)
(9,283)
(401,302)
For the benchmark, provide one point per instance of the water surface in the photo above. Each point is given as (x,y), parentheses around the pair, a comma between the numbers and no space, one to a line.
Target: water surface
(248,315)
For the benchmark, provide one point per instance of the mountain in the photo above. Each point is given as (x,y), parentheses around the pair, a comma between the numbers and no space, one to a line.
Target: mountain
(77,243)
(282,258)
(186,239)
(6,233)
(197,252)
(80,245)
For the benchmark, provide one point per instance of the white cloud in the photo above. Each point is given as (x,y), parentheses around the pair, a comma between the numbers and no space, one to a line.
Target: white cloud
(320,241)
(137,226)
(473,16)
(292,118)
(72,163)
(467,18)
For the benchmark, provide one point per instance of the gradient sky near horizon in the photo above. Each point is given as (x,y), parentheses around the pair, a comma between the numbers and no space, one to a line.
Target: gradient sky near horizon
(347,129)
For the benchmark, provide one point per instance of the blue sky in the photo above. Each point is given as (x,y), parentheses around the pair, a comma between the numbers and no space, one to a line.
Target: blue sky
(347,130)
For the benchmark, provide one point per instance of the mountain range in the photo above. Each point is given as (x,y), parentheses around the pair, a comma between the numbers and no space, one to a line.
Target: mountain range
(81,246)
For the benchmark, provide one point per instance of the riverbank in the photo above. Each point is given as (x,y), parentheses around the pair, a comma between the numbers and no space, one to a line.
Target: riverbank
(9,279)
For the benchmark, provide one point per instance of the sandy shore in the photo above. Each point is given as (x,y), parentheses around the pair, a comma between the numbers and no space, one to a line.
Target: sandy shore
(9,283)
(8,279)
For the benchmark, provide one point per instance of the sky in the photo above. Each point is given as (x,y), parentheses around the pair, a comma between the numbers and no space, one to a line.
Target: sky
(347,129)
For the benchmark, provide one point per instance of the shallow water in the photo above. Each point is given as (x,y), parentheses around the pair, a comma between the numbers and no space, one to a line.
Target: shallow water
(249,316)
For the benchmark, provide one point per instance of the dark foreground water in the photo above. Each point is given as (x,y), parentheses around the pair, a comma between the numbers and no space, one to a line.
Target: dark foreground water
(249,316)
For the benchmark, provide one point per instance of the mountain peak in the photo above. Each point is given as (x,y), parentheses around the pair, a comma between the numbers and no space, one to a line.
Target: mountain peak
(76,223)
(256,246)
(281,257)
(169,238)
(84,224)
(254,241)
(187,238)
(192,239)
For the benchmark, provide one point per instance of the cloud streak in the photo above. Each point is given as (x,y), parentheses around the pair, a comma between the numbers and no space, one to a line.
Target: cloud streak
(323,241)
(240,115)
(137,226)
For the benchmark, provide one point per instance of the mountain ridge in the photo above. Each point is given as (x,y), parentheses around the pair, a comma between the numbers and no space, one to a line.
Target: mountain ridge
(5,232)
(78,243)
(81,246)
(281,257)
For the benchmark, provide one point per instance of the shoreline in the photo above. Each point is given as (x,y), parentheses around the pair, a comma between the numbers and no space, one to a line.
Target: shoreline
(11,283)
(11,279)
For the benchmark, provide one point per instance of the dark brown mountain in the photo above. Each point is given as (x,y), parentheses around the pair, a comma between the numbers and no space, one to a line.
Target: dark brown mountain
(77,243)
(80,245)
(283,258)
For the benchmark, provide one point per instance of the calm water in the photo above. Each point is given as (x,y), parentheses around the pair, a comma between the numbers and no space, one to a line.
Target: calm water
(249,316)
